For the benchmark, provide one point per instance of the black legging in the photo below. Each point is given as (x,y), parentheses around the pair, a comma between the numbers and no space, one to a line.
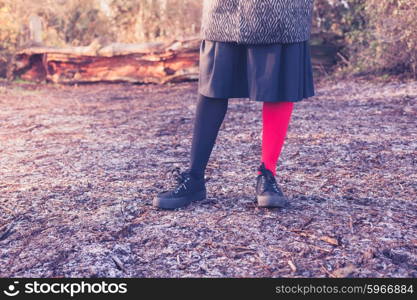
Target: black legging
(210,113)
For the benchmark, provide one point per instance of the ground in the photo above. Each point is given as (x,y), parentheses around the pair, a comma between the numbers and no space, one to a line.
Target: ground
(79,166)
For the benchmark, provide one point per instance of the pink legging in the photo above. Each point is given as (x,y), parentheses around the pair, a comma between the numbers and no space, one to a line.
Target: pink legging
(275,119)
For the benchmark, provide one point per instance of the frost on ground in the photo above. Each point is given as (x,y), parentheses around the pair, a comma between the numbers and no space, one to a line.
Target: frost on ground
(79,166)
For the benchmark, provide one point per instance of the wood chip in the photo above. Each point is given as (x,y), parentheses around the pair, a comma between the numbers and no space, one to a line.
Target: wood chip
(344,272)
(292,266)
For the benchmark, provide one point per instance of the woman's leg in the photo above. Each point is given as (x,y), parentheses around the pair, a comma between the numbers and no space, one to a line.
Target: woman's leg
(210,113)
(275,119)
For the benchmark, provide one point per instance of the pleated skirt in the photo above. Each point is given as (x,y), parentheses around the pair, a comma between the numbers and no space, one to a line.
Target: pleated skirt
(266,72)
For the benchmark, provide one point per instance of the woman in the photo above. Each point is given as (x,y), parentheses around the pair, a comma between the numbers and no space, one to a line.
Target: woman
(256,49)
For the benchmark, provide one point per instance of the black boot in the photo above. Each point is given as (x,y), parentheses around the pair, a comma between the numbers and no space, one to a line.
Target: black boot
(188,189)
(268,192)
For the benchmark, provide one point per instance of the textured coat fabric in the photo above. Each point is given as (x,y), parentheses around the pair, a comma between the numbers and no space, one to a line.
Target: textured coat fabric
(257,21)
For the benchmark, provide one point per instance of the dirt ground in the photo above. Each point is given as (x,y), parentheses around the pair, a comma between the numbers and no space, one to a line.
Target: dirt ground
(79,166)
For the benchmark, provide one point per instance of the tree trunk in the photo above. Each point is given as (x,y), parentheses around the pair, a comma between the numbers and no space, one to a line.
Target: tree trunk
(141,63)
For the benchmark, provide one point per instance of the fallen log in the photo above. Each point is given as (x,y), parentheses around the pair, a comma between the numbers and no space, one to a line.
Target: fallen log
(139,63)
(156,62)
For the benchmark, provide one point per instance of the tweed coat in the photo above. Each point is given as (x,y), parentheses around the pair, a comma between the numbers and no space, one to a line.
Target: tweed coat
(257,21)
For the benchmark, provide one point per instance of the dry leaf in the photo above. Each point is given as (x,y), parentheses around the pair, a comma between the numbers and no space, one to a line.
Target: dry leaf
(330,240)
(344,272)
(292,266)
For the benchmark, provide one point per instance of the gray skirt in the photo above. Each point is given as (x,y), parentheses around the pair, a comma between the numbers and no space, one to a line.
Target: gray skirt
(266,72)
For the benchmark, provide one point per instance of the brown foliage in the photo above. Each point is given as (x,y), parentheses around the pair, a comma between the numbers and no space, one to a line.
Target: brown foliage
(388,41)
(380,36)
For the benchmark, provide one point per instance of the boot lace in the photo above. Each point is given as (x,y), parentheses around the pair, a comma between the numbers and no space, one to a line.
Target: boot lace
(181,178)
(271,183)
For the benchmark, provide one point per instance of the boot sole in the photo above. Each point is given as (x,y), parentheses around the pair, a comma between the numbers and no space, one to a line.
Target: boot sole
(268,201)
(172,203)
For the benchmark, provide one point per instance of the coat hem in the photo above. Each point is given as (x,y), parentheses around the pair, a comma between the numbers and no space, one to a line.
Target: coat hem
(254,42)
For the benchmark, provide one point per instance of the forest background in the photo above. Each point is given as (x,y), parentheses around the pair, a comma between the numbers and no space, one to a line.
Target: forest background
(378,37)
